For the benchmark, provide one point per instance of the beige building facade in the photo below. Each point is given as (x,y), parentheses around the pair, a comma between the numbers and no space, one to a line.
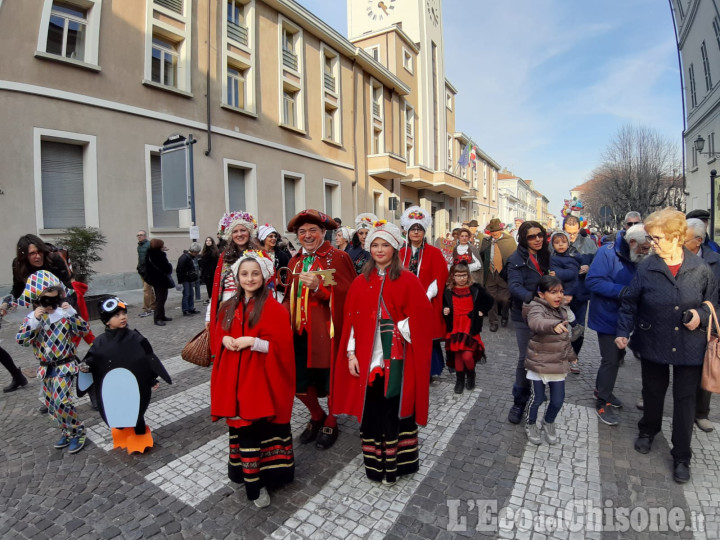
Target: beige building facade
(287,114)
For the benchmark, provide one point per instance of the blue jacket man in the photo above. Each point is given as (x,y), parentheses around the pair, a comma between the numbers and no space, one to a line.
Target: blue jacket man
(608,279)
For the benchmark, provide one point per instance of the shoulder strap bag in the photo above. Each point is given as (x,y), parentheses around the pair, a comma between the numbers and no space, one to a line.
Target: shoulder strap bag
(711,365)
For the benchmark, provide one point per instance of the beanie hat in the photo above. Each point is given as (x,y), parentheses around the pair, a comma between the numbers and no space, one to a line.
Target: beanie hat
(266,266)
(108,307)
(232,219)
(416,215)
(365,221)
(387,231)
(264,231)
(36,284)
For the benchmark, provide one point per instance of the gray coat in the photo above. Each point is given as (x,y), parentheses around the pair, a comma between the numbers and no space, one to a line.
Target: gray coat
(712,259)
(653,306)
(547,351)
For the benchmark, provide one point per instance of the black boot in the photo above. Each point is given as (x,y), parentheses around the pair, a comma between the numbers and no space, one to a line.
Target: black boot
(18,381)
(460,382)
(470,380)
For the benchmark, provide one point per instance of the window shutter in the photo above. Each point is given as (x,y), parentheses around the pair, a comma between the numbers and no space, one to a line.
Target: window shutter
(161,218)
(172,5)
(63,193)
(236,189)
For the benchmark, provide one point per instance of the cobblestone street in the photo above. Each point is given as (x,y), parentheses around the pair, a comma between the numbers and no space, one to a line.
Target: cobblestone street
(479,476)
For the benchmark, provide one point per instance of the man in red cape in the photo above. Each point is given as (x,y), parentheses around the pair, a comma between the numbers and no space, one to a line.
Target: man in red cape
(316,316)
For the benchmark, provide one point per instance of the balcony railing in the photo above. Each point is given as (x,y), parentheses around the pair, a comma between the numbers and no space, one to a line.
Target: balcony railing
(329,82)
(290,59)
(409,129)
(376,109)
(237,32)
(172,5)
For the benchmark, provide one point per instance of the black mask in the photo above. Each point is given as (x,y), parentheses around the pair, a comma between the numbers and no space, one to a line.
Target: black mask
(52,302)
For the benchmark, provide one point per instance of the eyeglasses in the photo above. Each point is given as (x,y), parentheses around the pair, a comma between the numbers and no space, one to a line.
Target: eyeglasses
(654,239)
(631,223)
(537,236)
(139,235)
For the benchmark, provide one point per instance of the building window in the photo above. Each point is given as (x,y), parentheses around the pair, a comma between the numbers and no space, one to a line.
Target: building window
(449,152)
(236,87)
(70,30)
(475,176)
(331,94)
(374,52)
(494,184)
(485,182)
(236,188)
(65,180)
(166,219)
(711,144)
(693,94)
(407,60)
(378,209)
(332,198)
(706,67)
(293,194)
(240,186)
(377,101)
(449,100)
(377,118)
(168,45)
(694,156)
(290,109)
(164,62)
(409,135)
(289,54)
(237,29)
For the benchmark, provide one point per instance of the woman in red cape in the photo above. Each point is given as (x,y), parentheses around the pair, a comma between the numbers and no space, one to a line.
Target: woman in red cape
(252,384)
(383,366)
(429,265)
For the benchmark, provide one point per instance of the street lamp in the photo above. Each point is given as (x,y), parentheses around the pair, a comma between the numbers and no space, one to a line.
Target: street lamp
(699,144)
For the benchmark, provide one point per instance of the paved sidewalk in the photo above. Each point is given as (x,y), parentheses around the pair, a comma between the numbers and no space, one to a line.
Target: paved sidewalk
(479,476)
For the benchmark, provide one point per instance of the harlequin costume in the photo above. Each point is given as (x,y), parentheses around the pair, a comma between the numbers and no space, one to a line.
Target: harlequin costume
(51,341)
(253,389)
(429,265)
(317,320)
(387,327)
(463,325)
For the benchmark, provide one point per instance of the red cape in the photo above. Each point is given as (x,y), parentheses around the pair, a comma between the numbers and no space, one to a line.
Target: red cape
(253,385)
(322,347)
(432,267)
(404,297)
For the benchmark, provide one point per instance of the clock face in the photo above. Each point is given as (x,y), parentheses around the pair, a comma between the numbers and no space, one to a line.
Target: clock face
(379,10)
(433,10)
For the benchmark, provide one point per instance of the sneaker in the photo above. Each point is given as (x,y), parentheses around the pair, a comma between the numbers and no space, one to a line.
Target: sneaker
(614,401)
(62,442)
(145,313)
(515,414)
(704,424)
(606,415)
(550,432)
(263,501)
(574,367)
(76,444)
(533,433)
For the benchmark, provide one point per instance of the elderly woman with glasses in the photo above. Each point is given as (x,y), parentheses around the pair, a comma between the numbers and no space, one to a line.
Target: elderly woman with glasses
(664,311)
(525,267)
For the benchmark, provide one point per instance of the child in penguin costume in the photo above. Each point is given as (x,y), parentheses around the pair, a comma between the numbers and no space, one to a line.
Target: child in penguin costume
(124,369)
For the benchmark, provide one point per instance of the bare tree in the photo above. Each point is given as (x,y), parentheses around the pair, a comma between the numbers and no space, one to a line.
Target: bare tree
(640,171)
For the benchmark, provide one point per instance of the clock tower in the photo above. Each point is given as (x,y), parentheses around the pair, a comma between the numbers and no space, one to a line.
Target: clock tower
(421,21)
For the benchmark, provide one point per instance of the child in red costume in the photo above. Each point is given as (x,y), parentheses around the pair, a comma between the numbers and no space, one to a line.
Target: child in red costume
(465,304)
(252,384)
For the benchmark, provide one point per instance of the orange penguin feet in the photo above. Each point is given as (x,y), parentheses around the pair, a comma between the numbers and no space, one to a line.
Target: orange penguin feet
(128,439)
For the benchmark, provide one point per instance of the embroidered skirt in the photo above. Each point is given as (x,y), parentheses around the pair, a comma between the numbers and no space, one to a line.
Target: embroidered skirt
(261,455)
(389,444)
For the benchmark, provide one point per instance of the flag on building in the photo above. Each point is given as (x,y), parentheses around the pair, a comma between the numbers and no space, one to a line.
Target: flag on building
(464,157)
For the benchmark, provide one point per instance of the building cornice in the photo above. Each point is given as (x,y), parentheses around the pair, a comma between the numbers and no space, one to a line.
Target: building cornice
(90,101)
(394,28)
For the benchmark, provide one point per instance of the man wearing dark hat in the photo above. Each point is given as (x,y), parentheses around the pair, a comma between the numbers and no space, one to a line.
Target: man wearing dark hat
(704,216)
(315,302)
(495,250)
(473,227)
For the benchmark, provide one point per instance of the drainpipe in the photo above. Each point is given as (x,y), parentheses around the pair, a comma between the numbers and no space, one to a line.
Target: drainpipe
(207,88)
(682,95)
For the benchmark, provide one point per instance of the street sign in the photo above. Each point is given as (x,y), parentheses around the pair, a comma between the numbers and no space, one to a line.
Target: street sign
(606,212)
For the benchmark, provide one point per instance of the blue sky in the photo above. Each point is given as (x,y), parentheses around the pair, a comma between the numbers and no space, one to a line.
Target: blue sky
(544,85)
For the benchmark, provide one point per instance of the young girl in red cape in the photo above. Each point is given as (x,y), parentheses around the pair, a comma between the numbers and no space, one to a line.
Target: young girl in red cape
(383,365)
(252,384)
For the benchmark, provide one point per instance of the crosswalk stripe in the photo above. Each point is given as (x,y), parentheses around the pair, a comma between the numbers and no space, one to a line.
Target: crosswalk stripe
(161,413)
(352,504)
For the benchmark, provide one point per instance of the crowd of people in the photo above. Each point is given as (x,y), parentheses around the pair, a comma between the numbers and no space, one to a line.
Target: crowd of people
(369,316)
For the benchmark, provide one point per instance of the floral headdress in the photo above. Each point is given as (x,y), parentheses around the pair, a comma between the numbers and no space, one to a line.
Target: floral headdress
(416,215)
(387,231)
(365,221)
(230,220)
